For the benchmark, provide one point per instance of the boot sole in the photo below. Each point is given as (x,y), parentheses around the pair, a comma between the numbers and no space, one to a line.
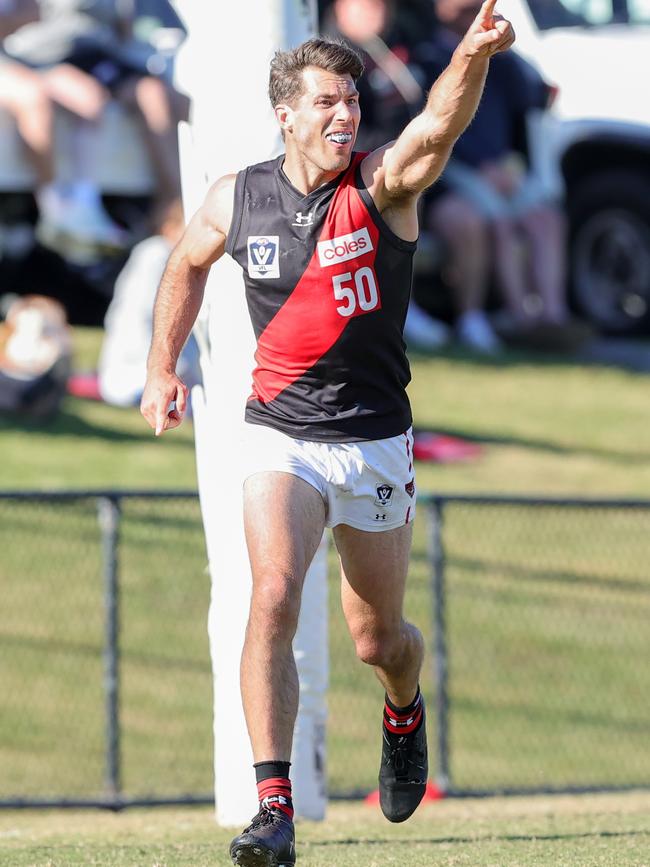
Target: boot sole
(257,856)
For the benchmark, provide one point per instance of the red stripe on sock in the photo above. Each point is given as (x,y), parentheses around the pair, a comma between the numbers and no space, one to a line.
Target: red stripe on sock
(404,715)
(402,729)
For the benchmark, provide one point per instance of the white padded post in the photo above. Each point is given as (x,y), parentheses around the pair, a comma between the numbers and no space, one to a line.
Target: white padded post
(224,68)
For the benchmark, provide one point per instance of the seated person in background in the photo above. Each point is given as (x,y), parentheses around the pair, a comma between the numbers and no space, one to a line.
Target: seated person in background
(129,319)
(391,93)
(89,56)
(23,93)
(491,209)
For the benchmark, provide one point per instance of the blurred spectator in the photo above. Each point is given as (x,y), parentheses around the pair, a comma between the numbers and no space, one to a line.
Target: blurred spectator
(35,356)
(89,56)
(23,93)
(129,319)
(493,211)
(391,92)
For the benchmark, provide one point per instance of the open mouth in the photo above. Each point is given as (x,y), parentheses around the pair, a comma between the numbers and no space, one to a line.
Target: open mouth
(339,138)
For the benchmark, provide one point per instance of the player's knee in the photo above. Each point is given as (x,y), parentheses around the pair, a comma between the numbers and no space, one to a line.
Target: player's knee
(376,647)
(275,606)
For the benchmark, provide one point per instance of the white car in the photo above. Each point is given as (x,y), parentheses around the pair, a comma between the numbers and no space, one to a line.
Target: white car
(597,53)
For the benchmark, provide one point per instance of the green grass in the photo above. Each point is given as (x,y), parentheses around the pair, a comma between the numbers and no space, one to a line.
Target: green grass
(548,426)
(603,831)
(547,611)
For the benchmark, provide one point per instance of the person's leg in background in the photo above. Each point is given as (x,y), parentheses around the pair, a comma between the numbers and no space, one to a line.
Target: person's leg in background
(544,227)
(24,95)
(464,231)
(160,109)
(85,98)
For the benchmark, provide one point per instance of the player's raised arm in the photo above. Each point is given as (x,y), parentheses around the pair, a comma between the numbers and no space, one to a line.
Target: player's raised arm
(178,302)
(417,158)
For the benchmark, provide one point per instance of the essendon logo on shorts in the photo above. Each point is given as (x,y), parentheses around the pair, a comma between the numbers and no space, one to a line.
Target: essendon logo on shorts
(344,247)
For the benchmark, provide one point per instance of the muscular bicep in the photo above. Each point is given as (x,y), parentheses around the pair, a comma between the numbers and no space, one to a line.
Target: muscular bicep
(416,159)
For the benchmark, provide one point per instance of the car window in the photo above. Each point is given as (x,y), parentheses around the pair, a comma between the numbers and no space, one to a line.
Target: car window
(588,13)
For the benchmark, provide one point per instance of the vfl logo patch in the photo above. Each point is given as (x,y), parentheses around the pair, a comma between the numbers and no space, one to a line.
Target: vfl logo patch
(263,256)
(384,495)
(344,247)
(409,487)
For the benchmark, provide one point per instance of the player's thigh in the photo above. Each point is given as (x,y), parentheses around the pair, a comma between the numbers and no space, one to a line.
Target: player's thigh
(374,568)
(284,520)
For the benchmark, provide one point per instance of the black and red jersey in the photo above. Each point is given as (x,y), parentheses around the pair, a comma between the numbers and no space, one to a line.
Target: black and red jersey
(327,286)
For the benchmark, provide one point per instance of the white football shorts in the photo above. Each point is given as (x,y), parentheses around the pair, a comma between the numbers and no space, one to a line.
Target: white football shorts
(368,485)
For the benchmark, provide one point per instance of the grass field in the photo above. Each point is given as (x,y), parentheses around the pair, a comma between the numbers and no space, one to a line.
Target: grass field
(595,831)
(547,611)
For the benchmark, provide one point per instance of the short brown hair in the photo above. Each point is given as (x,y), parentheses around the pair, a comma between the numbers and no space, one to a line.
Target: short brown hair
(286,82)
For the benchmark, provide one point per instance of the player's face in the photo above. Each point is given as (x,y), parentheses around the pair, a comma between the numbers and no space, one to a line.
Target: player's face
(325,119)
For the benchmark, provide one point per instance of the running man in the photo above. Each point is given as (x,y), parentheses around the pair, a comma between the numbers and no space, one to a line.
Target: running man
(325,239)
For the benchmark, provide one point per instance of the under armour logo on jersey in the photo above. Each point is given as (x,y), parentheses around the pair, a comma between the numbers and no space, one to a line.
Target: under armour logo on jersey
(263,258)
(304,219)
(384,495)
(380,517)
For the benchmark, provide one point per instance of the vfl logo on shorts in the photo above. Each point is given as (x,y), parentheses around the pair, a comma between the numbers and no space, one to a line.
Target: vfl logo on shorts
(344,247)
(384,495)
(263,256)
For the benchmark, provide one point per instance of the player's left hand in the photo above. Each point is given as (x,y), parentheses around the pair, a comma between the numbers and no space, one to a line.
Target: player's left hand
(489,34)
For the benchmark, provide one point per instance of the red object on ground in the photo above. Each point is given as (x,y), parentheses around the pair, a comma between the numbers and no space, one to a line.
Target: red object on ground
(84,385)
(443,449)
(433,793)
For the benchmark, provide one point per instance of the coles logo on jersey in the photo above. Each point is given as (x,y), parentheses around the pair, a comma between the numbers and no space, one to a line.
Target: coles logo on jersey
(263,258)
(344,247)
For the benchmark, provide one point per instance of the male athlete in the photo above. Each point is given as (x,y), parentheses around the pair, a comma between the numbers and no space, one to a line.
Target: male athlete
(325,238)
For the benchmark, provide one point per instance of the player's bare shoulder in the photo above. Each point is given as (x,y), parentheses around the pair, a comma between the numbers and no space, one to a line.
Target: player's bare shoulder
(373,171)
(204,239)
(397,207)
(219,202)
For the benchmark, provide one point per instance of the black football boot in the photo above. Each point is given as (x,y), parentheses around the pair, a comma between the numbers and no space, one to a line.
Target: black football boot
(269,841)
(403,773)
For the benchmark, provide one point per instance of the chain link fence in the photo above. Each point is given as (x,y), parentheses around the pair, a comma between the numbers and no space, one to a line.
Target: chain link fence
(535,612)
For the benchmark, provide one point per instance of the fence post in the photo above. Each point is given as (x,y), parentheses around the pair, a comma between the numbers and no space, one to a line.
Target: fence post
(437,556)
(109,523)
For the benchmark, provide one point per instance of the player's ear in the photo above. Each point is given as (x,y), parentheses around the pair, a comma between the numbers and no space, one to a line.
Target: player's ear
(284,115)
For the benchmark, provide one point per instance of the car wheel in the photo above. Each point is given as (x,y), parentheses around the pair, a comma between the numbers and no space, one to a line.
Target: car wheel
(609,215)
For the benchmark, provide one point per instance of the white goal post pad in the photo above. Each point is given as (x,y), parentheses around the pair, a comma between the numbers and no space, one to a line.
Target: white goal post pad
(224,66)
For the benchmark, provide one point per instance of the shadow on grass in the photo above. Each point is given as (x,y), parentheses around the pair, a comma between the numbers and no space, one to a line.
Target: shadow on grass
(69,424)
(496,838)
(49,646)
(544,445)
(632,356)
(521,572)
(551,715)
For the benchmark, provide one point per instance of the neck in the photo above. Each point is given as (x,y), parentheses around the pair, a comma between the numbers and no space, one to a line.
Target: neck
(304,175)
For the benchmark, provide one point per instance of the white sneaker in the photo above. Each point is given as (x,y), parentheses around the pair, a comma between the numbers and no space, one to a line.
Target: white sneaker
(81,232)
(422,331)
(474,331)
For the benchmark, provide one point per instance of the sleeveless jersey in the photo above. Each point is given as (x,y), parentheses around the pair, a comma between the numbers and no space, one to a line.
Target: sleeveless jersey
(327,285)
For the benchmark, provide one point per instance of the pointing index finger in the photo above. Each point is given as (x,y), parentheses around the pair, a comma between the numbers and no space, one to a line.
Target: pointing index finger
(487,11)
